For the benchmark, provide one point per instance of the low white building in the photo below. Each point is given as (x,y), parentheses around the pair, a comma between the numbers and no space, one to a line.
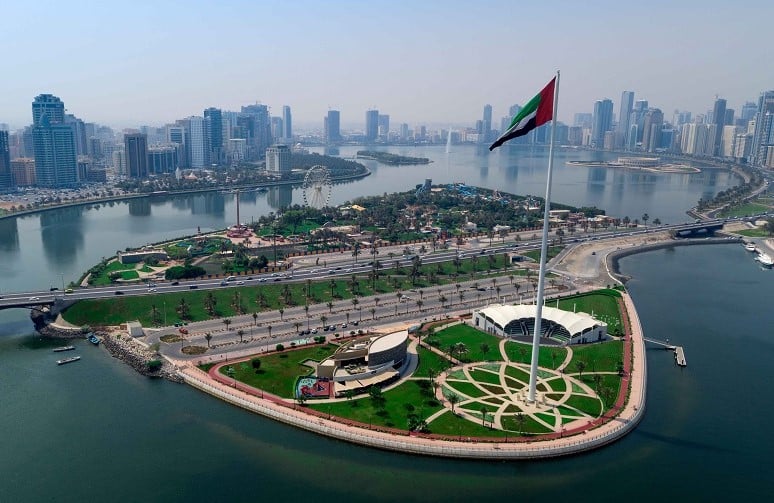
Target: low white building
(562,326)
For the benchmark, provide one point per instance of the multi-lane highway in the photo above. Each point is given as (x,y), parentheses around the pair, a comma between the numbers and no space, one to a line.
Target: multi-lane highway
(336,265)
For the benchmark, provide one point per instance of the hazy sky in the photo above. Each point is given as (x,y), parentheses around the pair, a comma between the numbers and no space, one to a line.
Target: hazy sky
(150,62)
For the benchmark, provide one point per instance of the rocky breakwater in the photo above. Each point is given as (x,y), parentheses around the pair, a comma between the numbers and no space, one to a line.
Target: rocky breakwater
(138,356)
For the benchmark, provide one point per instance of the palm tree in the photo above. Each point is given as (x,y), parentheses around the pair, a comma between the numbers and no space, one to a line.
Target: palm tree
(484,347)
(269,327)
(373,313)
(297,324)
(442,299)
(645,218)
(484,413)
(155,315)
(460,349)
(208,337)
(323,319)
(454,399)
(226,322)
(520,420)
(255,319)
(330,307)
(581,366)
(241,334)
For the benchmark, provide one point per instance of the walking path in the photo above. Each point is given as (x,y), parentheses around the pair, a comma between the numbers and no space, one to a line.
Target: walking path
(620,420)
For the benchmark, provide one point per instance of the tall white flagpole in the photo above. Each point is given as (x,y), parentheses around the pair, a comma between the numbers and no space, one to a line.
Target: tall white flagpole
(543,253)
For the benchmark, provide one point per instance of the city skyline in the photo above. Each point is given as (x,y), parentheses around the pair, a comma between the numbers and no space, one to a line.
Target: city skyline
(428,71)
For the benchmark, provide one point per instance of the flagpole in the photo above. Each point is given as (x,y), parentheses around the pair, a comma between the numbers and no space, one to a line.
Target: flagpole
(543,253)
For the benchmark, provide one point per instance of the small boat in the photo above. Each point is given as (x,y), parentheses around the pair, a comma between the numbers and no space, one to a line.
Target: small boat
(765,260)
(750,247)
(93,339)
(63,348)
(68,360)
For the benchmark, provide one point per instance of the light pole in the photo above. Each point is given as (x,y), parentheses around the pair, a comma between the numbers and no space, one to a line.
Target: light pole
(61,274)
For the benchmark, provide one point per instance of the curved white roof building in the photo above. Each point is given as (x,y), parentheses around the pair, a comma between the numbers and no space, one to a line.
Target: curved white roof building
(562,326)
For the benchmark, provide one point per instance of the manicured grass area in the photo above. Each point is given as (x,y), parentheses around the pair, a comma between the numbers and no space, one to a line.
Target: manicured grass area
(589,405)
(529,425)
(598,357)
(602,304)
(465,388)
(451,424)
(610,381)
(429,361)
(485,377)
(753,233)
(744,210)
(127,271)
(278,371)
(472,339)
(548,357)
(408,398)
(553,251)
(269,297)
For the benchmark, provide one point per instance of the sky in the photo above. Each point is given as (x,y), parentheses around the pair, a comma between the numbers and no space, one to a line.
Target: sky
(142,62)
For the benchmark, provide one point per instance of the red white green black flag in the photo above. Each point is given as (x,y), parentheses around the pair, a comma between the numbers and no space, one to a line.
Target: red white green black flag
(536,112)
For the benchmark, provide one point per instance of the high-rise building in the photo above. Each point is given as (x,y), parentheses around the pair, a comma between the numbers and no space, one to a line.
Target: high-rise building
(624,116)
(384,126)
(255,123)
(486,126)
(651,129)
(638,118)
(23,170)
(278,159)
(372,125)
(54,144)
(6,175)
(333,127)
(404,131)
(719,119)
(287,125)
(162,159)
(763,139)
(136,151)
(728,141)
(583,119)
(178,135)
(748,112)
(197,142)
(213,126)
(603,121)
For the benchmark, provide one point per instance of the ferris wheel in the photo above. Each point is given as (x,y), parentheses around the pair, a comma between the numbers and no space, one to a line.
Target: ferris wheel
(317,187)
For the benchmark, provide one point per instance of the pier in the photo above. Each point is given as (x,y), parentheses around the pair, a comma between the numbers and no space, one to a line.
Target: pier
(678,350)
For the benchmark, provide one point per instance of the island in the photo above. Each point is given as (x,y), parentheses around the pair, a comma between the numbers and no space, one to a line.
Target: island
(388,158)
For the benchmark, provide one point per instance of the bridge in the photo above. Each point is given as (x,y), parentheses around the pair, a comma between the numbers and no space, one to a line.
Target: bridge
(700,229)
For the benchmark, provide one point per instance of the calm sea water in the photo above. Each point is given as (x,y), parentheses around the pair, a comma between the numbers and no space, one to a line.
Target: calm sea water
(95,430)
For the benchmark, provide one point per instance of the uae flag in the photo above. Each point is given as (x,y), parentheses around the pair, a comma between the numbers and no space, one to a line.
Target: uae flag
(537,112)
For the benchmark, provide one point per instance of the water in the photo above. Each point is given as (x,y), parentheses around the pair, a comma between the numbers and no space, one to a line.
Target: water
(47,249)
(95,430)
(99,431)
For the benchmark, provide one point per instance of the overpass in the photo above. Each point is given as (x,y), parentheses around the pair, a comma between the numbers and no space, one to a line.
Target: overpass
(700,229)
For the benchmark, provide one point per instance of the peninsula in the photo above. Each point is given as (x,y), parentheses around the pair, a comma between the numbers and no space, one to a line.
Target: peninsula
(388,158)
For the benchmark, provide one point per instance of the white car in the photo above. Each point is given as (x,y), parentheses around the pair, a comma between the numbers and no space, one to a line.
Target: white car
(34,298)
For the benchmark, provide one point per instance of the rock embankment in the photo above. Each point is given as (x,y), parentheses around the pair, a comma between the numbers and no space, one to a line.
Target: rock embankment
(137,356)
(60,333)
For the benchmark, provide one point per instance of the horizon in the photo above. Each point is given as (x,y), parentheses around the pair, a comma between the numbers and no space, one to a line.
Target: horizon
(149,70)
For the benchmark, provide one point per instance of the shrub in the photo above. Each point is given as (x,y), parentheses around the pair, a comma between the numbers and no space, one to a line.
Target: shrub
(256,363)
(154,365)
(280,347)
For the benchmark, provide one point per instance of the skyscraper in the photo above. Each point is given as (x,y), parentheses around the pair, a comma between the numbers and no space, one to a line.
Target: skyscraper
(6,176)
(603,120)
(136,152)
(624,118)
(719,119)
(486,126)
(651,129)
(213,126)
(278,160)
(256,122)
(333,130)
(287,125)
(54,144)
(197,143)
(384,126)
(763,138)
(638,119)
(372,125)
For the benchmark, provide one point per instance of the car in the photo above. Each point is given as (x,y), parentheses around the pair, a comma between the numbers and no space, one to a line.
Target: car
(248,278)
(224,283)
(178,324)
(69,290)
(314,331)
(343,325)
(262,280)
(193,287)
(277,279)
(331,271)
(175,283)
(53,289)
(34,298)
(356,322)
(184,331)
(118,292)
(151,290)
(151,285)
(348,270)
(240,282)
(326,328)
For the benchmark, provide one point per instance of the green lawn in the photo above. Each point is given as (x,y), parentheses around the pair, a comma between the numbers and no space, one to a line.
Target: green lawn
(279,371)
(127,272)
(744,210)
(754,233)
(399,402)
(549,357)
(451,424)
(429,360)
(602,304)
(612,381)
(553,251)
(598,357)
(472,338)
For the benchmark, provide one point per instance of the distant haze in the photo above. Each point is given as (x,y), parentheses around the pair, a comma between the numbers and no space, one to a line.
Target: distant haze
(421,62)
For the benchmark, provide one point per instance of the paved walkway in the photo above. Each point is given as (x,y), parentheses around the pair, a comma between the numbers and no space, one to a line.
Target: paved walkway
(620,420)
